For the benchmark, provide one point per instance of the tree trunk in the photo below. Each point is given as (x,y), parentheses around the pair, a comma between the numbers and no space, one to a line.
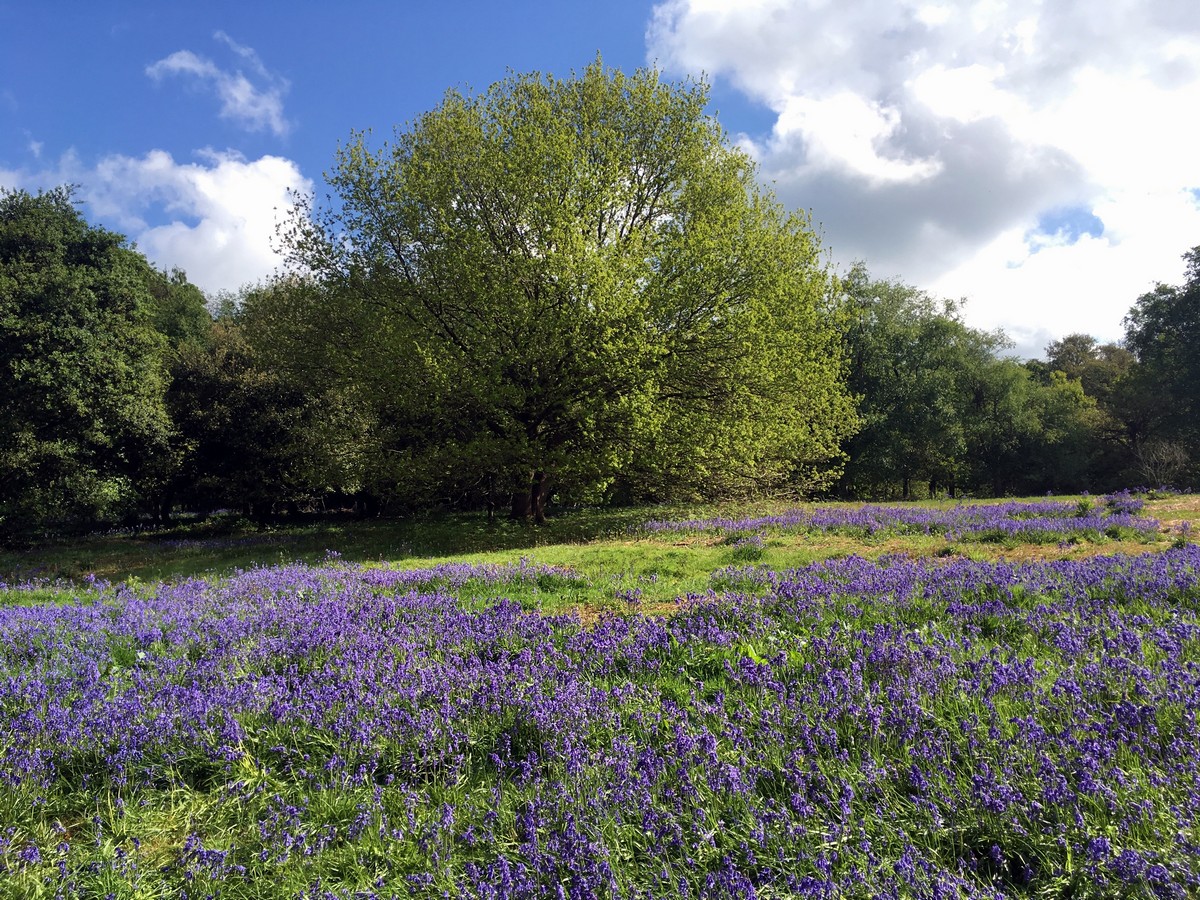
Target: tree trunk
(365,505)
(522,502)
(539,491)
(530,502)
(165,505)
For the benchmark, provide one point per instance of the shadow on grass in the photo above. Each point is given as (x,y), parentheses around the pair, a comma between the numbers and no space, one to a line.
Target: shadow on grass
(223,544)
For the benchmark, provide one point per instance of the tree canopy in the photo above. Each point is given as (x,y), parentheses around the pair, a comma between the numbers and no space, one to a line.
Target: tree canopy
(1163,331)
(82,413)
(941,407)
(578,281)
(573,285)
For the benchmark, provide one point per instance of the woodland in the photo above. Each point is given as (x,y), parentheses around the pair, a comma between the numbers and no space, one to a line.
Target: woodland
(553,293)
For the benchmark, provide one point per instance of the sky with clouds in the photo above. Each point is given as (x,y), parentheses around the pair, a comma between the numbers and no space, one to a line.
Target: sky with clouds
(1036,158)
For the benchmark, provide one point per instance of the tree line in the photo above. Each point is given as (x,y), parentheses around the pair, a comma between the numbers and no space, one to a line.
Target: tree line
(944,409)
(559,288)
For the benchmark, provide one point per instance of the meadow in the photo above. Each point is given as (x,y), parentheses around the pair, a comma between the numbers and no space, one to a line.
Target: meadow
(939,700)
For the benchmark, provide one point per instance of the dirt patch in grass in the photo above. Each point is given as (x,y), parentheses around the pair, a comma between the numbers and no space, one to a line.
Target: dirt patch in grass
(1047,552)
(589,613)
(1174,511)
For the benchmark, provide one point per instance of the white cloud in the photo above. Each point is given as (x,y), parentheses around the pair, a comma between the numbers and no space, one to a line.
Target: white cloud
(1058,287)
(929,138)
(214,218)
(964,93)
(845,133)
(255,106)
(224,211)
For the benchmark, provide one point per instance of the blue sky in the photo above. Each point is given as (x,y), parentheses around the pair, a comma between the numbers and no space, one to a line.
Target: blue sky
(76,74)
(1033,158)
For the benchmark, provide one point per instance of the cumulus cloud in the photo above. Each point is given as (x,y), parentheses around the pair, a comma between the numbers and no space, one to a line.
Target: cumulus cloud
(214,215)
(941,141)
(255,104)
(223,211)
(215,218)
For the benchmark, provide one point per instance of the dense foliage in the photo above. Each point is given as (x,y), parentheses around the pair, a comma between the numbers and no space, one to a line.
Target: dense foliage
(569,289)
(1163,332)
(82,414)
(239,428)
(942,728)
(943,410)
(579,283)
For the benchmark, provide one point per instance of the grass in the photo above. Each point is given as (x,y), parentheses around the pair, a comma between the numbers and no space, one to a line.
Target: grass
(601,541)
(223,544)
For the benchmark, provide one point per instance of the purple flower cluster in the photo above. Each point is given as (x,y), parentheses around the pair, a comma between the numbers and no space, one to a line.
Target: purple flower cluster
(1036,521)
(891,728)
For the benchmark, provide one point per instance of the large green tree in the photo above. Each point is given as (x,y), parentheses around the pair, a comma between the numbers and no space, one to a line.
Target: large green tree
(81,367)
(579,280)
(1163,331)
(912,361)
(941,408)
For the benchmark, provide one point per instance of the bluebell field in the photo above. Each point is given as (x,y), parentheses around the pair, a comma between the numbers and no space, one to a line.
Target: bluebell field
(900,728)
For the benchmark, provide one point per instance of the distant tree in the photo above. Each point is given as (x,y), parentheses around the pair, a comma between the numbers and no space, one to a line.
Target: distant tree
(1072,354)
(1160,462)
(178,308)
(577,281)
(1163,332)
(82,415)
(1098,367)
(1105,374)
(941,409)
(1065,450)
(912,361)
(1027,437)
(239,430)
(1000,418)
